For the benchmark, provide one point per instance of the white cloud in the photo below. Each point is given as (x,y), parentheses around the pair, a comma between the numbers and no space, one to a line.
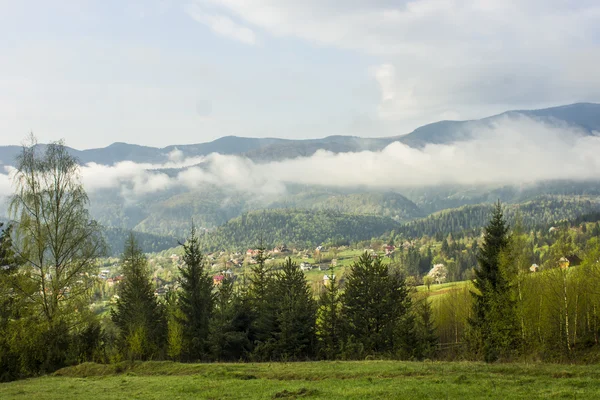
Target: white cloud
(513,150)
(447,57)
(221,24)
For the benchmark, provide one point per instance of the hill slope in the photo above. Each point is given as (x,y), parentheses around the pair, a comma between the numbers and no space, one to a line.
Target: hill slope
(302,228)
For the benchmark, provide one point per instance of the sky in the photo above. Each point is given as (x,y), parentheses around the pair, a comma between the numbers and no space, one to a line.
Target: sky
(163,72)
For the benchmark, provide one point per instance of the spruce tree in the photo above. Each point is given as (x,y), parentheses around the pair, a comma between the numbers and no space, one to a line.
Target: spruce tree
(262,303)
(425,329)
(195,299)
(329,325)
(138,314)
(375,301)
(493,320)
(296,314)
(230,327)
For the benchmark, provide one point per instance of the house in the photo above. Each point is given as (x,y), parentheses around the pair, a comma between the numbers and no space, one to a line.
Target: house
(327,279)
(228,273)
(534,268)
(323,267)
(218,279)
(305,267)
(563,263)
(389,249)
(251,252)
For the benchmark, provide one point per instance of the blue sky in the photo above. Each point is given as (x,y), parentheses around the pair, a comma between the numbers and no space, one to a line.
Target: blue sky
(172,72)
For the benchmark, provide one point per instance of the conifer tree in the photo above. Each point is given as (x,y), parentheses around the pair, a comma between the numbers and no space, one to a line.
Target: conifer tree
(375,301)
(138,314)
(329,322)
(425,329)
(229,336)
(262,303)
(195,299)
(493,323)
(296,314)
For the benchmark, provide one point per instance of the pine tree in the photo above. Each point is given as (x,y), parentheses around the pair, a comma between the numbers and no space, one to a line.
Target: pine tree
(262,303)
(230,327)
(375,301)
(493,323)
(329,322)
(138,314)
(296,314)
(425,329)
(195,299)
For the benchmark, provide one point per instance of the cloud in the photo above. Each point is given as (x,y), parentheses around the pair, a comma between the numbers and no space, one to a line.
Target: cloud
(221,24)
(510,150)
(439,58)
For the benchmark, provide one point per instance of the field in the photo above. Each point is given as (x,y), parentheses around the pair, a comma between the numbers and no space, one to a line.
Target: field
(312,380)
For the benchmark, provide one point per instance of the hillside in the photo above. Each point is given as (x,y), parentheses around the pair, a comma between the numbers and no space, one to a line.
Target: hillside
(537,213)
(384,204)
(302,228)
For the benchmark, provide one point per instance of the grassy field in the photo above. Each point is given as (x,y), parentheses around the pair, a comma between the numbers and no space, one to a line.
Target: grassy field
(312,380)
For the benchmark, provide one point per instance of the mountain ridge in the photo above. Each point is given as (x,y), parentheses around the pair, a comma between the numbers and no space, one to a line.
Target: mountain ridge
(585,116)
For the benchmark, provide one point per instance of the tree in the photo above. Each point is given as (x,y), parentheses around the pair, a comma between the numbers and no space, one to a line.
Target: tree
(375,300)
(54,235)
(329,321)
(262,303)
(230,327)
(426,337)
(296,314)
(138,314)
(195,299)
(493,322)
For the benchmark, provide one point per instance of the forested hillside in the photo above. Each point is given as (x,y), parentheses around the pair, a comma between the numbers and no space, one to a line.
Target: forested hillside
(536,213)
(301,228)
(148,242)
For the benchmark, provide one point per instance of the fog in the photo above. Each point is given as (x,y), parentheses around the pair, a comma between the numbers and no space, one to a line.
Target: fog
(511,150)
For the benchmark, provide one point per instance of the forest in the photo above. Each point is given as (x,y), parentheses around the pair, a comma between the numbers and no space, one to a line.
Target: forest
(516,290)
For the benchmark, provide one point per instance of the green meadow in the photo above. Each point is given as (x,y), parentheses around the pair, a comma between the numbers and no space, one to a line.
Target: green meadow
(312,380)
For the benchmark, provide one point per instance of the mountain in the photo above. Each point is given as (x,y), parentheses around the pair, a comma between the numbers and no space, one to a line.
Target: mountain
(169,212)
(585,116)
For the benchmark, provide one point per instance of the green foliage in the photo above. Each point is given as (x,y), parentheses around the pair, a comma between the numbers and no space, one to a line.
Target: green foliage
(261,295)
(374,302)
(137,314)
(295,314)
(148,242)
(494,314)
(231,326)
(301,228)
(329,321)
(195,299)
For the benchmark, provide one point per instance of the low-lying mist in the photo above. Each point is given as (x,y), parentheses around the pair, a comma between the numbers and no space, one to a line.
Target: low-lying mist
(511,150)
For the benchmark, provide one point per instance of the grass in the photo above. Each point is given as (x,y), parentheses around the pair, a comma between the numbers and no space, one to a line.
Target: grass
(312,380)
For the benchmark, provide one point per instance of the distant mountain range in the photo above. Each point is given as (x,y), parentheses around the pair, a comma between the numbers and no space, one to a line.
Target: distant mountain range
(168,213)
(585,116)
